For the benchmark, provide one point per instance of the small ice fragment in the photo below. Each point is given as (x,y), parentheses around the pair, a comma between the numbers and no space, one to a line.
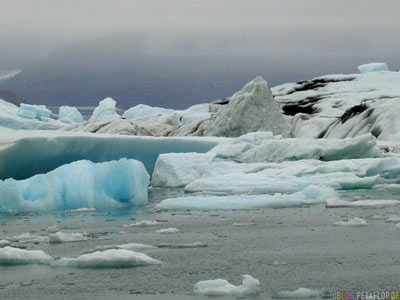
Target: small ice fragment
(244,224)
(168,230)
(130,246)
(144,223)
(52,229)
(62,237)
(300,293)
(113,258)
(179,246)
(16,256)
(352,222)
(393,219)
(4,243)
(221,287)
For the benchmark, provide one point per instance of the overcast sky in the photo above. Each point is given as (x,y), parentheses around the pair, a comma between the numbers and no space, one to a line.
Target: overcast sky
(304,30)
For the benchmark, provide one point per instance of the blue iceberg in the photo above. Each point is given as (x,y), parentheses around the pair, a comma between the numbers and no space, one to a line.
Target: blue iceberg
(114,184)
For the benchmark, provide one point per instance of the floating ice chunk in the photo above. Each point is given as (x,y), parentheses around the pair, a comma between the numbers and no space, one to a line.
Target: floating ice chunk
(310,195)
(143,223)
(168,230)
(378,217)
(4,243)
(183,246)
(245,224)
(352,222)
(360,203)
(113,258)
(221,287)
(79,184)
(393,219)
(69,114)
(62,237)
(106,107)
(142,110)
(301,293)
(372,67)
(27,237)
(130,246)
(16,256)
(39,112)
(52,228)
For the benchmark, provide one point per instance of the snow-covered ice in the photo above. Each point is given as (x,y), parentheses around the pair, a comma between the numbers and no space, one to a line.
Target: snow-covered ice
(16,256)
(355,222)
(310,195)
(113,258)
(79,184)
(221,287)
(372,67)
(301,293)
(168,230)
(65,237)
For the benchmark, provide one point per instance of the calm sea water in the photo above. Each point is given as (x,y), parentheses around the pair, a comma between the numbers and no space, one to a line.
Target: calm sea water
(286,249)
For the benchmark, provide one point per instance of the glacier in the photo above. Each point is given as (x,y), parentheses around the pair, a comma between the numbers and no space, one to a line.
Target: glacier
(114,184)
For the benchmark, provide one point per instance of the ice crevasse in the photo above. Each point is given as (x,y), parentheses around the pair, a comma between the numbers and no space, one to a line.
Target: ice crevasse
(114,184)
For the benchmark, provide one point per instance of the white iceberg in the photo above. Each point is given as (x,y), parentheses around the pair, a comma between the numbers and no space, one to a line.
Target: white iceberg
(63,237)
(372,67)
(106,108)
(355,222)
(311,195)
(221,287)
(301,293)
(69,115)
(141,110)
(113,258)
(16,256)
(79,184)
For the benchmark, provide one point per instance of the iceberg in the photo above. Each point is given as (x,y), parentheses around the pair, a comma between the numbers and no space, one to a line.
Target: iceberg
(251,109)
(16,256)
(221,287)
(113,258)
(69,114)
(372,67)
(27,153)
(310,195)
(39,112)
(141,110)
(79,184)
(106,108)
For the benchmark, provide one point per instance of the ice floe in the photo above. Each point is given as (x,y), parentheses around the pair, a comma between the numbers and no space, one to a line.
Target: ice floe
(16,256)
(130,246)
(310,195)
(355,222)
(64,237)
(301,293)
(143,223)
(221,287)
(113,258)
(168,230)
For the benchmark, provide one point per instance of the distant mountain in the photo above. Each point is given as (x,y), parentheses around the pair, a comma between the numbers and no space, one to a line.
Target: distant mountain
(119,67)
